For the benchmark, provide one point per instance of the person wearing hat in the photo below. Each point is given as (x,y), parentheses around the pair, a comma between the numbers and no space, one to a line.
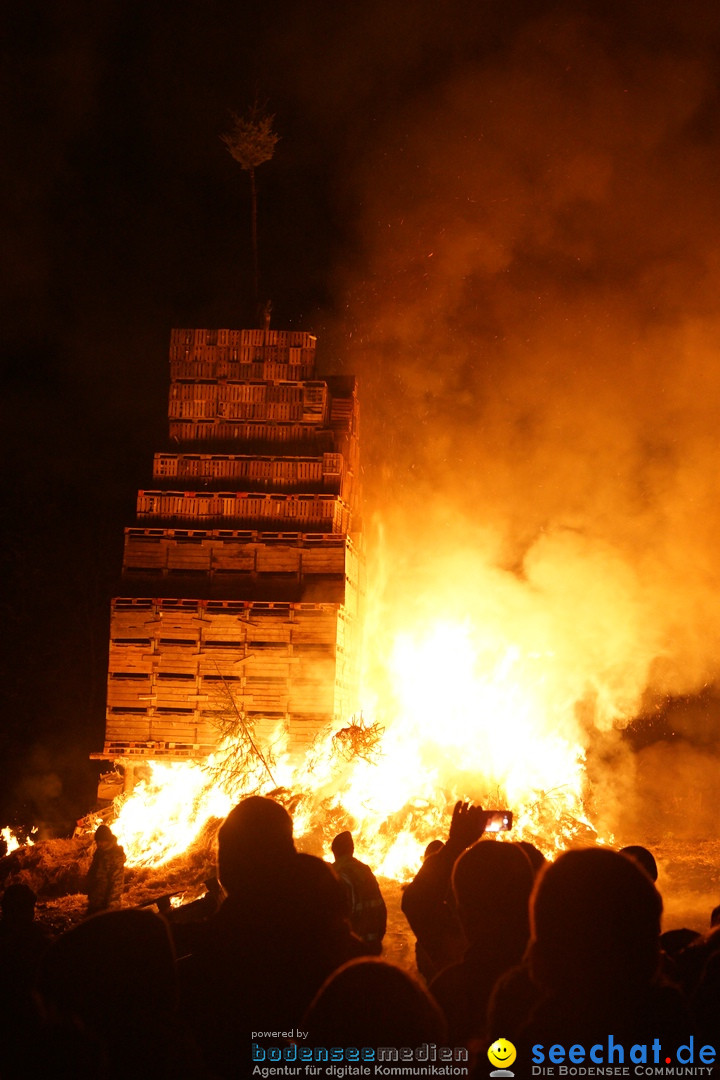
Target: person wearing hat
(104,882)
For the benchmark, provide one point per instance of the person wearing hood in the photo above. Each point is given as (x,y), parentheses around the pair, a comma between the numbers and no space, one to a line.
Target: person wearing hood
(104,883)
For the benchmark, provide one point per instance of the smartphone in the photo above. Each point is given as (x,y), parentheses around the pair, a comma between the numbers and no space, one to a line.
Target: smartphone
(498,820)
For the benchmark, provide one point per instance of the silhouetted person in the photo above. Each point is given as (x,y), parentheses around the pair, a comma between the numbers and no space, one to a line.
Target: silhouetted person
(427,902)
(690,956)
(368,914)
(111,980)
(23,944)
(368,1002)
(254,842)
(674,942)
(22,941)
(643,858)
(706,995)
(106,876)
(491,882)
(281,931)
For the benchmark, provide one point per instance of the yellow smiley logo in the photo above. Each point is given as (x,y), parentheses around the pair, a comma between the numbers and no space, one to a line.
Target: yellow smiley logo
(502,1053)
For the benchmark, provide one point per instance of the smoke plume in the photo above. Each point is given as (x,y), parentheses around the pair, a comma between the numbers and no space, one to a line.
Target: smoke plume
(536,327)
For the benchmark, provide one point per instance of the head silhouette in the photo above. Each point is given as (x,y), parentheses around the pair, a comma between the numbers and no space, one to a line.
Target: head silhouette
(643,858)
(368,1002)
(256,838)
(104,836)
(595,919)
(18,905)
(492,882)
(343,844)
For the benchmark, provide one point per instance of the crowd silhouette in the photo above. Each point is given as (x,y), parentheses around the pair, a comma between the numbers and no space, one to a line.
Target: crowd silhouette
(285,954)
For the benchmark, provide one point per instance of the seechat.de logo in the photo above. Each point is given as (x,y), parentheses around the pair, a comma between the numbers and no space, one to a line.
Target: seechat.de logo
(501,1054)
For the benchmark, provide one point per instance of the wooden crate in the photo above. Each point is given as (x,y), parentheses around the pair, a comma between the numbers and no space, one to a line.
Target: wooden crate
(127,727)
(185,368)
(277,472)
(209,352)
(315,513)
(310,436)
(177,731)
(185,336)
(131,659)
(128,689)
(276,369)
(282,338)
(305,401)
(184,555)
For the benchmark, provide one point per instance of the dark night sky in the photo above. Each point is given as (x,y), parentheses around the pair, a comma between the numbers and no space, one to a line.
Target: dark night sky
(124,216)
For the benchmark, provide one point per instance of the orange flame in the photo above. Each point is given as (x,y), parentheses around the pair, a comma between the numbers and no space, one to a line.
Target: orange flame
(10,839)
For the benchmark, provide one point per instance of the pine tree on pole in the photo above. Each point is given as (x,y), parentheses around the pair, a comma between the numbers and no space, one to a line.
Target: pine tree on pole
(252,142)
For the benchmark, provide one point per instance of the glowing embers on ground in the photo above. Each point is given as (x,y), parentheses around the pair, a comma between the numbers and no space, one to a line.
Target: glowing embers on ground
(467,718)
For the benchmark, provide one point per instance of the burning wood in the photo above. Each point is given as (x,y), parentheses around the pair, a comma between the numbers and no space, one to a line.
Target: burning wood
(359,740)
